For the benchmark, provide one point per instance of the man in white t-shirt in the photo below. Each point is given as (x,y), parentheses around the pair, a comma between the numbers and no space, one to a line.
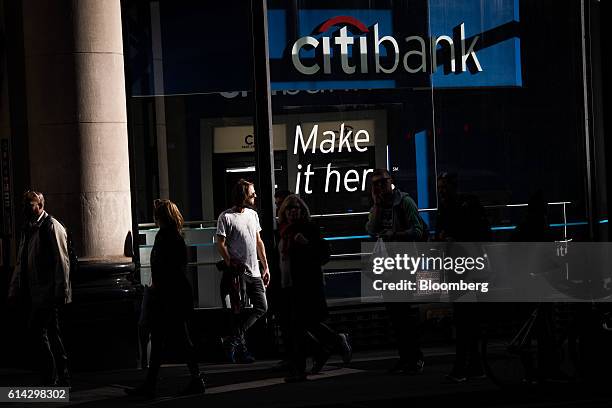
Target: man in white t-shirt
(239,243)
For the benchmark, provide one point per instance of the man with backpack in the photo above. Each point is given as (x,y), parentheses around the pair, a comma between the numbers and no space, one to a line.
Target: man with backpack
(394,217)
(41,282)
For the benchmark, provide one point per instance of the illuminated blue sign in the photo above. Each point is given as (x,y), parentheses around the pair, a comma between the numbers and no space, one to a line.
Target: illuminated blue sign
(464,43)
(476,43)
(498,47)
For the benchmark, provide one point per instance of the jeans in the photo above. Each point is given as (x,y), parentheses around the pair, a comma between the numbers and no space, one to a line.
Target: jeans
(256,292)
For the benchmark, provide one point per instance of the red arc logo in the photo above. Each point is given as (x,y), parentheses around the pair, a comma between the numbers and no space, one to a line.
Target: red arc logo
(343,20)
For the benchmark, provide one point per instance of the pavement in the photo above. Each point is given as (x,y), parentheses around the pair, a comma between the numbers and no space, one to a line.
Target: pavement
(363,383)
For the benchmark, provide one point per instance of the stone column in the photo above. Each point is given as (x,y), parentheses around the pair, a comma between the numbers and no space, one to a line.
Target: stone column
(77,120)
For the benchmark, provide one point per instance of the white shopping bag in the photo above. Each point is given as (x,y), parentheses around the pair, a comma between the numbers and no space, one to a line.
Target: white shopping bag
(379,251)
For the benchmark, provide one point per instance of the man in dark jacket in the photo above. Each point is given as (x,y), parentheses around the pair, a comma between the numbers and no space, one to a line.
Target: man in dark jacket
(41,280)
(394,217)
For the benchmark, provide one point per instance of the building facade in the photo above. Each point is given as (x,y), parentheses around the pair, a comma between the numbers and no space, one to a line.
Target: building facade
(109,105)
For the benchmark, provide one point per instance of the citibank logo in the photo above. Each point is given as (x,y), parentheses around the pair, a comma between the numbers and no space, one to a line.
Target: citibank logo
(412,52)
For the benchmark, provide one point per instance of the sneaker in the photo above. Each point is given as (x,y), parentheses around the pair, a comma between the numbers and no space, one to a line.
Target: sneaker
(143,390)
(245,357)
(230,345)
(318,362)
(197,385)
(347,350)
(416,368)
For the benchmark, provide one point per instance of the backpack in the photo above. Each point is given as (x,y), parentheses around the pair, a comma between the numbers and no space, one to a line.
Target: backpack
(425,229)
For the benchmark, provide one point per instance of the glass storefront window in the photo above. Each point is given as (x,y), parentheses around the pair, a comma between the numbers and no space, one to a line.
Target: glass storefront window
(519,131)
(490,91)
(191,120)
(336,67)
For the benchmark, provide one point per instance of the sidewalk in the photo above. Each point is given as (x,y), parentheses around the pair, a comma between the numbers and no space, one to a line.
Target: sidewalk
(363,383)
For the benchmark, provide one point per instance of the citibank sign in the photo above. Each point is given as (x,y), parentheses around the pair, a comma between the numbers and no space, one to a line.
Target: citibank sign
(410,53)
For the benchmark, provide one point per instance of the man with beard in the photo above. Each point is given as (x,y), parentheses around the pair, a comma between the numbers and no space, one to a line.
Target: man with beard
(239,243)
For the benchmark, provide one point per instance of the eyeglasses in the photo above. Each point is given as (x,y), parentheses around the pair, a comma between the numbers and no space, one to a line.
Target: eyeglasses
(381,182)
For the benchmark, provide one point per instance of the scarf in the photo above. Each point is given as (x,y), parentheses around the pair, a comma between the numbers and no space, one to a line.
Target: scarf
(288,233)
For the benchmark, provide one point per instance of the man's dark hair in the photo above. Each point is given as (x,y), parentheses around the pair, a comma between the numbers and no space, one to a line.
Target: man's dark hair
(240,193)
(381,172)
(282,194)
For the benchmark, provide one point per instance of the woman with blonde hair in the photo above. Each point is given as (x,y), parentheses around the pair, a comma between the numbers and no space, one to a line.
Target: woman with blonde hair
(302,252)
(172,301)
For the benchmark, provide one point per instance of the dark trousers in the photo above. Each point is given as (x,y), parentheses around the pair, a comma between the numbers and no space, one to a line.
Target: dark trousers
(467,317)
(277,309)
(307,336)
(159,335)
(144,324)
(548,358)
(254,289)
(53,361)
(405,322)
